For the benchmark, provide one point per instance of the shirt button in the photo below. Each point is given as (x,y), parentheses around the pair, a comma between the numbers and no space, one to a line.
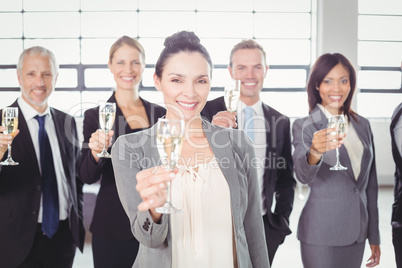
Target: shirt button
(38,187)
(34,212)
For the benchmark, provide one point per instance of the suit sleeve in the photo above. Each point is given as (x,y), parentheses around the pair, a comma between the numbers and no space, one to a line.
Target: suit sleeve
(79,183)
(302,139)
(372,200)
(284,188)
(212,107)
(90,170)
(126,163)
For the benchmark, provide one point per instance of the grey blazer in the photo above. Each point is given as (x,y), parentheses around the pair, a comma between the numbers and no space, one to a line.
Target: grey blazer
(134,152)
(340,210)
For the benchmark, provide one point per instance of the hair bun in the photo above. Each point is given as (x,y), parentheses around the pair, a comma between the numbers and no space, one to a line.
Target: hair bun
(181,38)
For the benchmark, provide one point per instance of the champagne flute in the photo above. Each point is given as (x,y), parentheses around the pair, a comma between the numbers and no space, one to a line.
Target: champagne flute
(232,94)
(107,114)
(338,122)
(169,139)
(10,121)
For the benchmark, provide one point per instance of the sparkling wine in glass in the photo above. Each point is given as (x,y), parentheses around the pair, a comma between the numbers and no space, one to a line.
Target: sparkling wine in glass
(107,114)
(231,95)
(169,139)
(338,122)
(10,121)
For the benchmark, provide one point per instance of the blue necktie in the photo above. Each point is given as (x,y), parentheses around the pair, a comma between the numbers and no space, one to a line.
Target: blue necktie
(50,199)
(249,122)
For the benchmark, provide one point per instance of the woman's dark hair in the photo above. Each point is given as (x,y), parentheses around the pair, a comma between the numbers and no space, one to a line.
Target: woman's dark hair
(321,68)
(183,41)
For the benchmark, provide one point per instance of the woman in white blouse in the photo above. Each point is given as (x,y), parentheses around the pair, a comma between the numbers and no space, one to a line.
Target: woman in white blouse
(341,211)
(214,183)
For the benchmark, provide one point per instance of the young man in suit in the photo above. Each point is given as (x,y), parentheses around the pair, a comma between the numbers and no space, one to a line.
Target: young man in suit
(41,198)
(396,137)
(270,135)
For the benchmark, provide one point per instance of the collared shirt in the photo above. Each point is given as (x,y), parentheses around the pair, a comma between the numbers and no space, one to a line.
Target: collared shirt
(398,130)
(260,142)
(29,113)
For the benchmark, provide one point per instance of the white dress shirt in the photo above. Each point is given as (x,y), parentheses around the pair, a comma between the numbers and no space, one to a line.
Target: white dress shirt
(260,143)
(29,113)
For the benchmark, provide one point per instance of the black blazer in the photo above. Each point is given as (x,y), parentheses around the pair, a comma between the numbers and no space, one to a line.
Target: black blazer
(278,178)
(109,219)
(397,206)
(20,190)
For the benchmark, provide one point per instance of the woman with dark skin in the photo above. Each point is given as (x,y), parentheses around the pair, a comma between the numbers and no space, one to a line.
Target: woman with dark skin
(341,212)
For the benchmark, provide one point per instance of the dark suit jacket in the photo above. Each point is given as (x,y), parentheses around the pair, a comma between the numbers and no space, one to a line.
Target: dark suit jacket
(109,219)
(20,190)
(278,178)
(397,206)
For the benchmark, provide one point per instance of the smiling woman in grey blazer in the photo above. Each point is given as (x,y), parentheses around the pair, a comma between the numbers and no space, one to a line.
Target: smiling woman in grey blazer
(216,185)
(341,211)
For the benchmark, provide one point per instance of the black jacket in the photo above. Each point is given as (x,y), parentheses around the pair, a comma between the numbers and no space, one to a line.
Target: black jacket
(397,206)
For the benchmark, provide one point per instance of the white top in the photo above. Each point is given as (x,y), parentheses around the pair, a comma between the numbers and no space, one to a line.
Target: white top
(352,143)
(260,143)
(202,234)
(29,113)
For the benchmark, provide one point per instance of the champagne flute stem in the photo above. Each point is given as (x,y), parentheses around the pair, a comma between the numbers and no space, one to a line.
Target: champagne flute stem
(337,156)
(169,193)
(9,151)
(104,144)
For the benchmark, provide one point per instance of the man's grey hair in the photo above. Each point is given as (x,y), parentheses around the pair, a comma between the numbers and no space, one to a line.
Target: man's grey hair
(41,51)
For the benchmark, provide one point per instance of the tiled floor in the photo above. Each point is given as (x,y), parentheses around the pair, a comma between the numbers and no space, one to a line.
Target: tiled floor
(288,255)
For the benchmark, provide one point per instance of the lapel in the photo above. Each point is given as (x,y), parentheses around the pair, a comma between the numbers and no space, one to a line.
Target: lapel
(344,155)
(219,142)
(318,118)
(395,151)
(365,138)
(268,127)
(320,121)
(269,148)
(61,132)
(120,126)
(24,137)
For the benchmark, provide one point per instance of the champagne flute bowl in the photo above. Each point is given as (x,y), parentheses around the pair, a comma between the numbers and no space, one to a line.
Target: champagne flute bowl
(107,114)
(169,139)
(10,122)
(338,122)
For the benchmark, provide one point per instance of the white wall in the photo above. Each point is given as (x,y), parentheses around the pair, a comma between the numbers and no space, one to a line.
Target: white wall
(382,142)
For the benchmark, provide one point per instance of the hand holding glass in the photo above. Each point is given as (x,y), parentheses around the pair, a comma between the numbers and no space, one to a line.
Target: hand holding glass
(107,114)
(338,122)
(169,139)
(10,122)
